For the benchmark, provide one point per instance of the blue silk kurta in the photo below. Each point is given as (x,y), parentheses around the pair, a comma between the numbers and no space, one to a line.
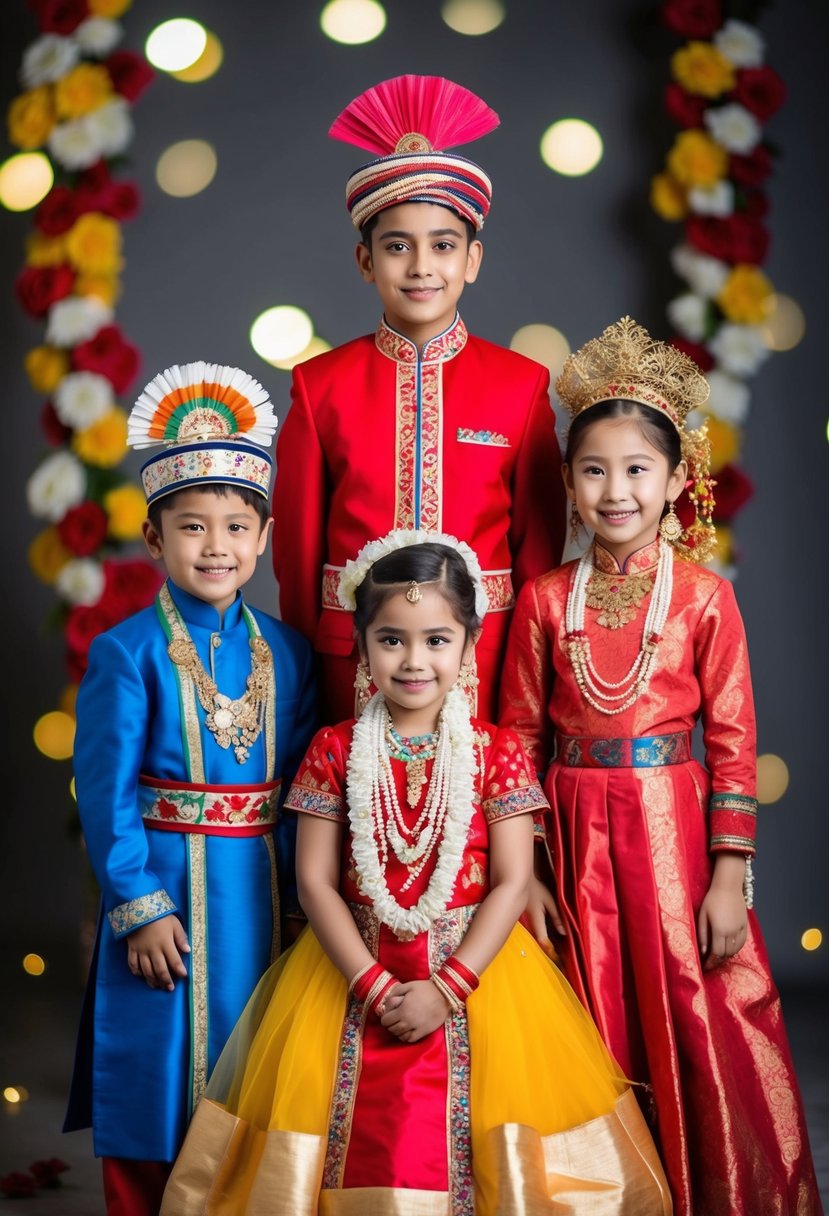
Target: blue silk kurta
(133,1059)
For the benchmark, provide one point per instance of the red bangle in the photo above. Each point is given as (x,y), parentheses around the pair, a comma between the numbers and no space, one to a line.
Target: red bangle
(458,978)
(464,973)
(362,983)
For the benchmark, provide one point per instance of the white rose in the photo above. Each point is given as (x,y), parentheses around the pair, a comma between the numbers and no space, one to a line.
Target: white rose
(712,200)
(111,125)
(705,275)
(97,36)
(81,581)
(689,314)
(75,144)
(729,397)
(733,127)
(741,44)
(739,349)
(56,485)
(82,398)
(47,59)
(76,319)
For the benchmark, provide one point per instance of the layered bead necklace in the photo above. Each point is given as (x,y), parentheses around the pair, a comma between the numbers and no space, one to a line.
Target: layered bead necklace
(414,752)
(607,696)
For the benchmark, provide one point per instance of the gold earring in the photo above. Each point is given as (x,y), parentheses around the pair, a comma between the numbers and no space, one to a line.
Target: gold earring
(467,683)
(670,529)
(362,687)
(575,522)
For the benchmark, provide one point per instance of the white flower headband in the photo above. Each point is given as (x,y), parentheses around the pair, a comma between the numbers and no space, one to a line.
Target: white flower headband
(356,570)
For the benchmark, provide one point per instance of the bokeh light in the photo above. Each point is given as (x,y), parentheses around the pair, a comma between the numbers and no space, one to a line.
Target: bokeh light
(317,346)
(72,793)
(175,44)
(207,64)
(772,778)
(785,325)
(54,735)
(473,17)
(33,964)
(281,332)
(186,168)
(811,939)
(353,21)
(15,1094)
(25,180)
(544,343)
(571,147)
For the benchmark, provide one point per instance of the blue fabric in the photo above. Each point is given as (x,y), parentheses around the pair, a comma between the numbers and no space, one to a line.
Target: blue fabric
(132,1064)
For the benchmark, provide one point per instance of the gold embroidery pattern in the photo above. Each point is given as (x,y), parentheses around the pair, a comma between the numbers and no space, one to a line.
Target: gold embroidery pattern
(196,862)
(742,843)
(134,913)
(418,498)
(444,346)
(741,803)
(617,597)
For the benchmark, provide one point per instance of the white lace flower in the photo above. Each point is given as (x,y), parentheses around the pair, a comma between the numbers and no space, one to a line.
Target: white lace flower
(81,581)
(739,349)
(741,44)
(705,275)
(689,315)
(56,485)
(76,319)
(729,397)
(734,127)
(111,125)
(97,36)
(47,59)
(75,144)
(712,200)
(82,398)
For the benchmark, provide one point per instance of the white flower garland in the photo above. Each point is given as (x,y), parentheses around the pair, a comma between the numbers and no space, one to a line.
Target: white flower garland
(366,815)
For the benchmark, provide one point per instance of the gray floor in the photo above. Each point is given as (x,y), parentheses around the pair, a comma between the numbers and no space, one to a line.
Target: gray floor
(37,1027)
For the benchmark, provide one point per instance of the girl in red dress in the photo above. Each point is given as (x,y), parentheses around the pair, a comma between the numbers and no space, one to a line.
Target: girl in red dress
(416,1051)
(611,661)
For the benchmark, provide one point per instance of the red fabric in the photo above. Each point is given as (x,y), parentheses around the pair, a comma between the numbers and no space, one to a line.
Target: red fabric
(134,1188)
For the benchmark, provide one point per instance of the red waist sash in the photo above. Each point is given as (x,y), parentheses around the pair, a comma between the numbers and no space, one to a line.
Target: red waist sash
(210,810)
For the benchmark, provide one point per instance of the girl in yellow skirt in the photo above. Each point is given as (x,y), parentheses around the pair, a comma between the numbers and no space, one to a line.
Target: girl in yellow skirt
(416,1053)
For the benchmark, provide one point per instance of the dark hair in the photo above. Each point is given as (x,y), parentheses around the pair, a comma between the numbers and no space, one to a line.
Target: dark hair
(367,230)
(428,562)
(656,427)
(221,490)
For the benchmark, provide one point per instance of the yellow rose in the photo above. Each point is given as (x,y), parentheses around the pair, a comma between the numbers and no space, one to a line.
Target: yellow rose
(126,509)
(746,295)
(46,366)
(45,250)
(107,287)
(725,444)
(701,69)
(93,244)
(696,160)
(108,8)
(668,198)
(31,118)
(83,89)
(105,442)
(725,546)
(68,698)
(47,555)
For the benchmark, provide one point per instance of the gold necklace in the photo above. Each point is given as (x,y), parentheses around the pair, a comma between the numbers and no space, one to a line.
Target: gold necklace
(617,596)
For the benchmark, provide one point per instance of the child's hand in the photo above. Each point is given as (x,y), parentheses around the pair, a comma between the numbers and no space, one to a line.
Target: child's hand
(154,951)
(541,904)
(722,922)
(414,1010)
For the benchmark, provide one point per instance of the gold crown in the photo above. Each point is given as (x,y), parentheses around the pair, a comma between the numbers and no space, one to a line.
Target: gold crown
(625,362)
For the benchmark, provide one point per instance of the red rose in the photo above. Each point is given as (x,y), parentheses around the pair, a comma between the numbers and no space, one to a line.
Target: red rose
(701,356)
(683,108)
(130,73)
(760,90)
(57,435)
(58,211)
(731,493)
(39,287)
(130,585)
(83,624)
(685,509)
(122,201)
(83,528)
(755,203)
(734,238)
(61,16)
(18,1185)
(93,186)
(751,170)
(108,355)
(692,18)
(46,1173)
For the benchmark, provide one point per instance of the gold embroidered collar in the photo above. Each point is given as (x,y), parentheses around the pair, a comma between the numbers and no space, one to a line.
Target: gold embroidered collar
(437,350)
(643,559)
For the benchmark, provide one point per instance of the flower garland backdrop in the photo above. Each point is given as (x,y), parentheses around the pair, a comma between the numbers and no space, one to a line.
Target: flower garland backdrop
(720,96)
(76,103)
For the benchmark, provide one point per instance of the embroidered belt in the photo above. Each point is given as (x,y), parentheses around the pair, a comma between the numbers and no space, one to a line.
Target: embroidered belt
(649,751)
(496,583)
(209,810)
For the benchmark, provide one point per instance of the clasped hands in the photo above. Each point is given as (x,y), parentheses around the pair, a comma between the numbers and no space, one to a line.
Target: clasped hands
(413,1010)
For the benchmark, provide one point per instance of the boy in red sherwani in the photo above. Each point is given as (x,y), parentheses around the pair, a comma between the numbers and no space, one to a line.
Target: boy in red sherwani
(419,425)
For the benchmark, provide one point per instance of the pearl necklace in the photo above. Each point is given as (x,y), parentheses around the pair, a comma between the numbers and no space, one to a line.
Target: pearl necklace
(377,823)
(606,696)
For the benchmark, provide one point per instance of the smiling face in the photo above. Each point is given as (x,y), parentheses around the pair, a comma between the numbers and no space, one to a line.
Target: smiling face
(414,654)
(420,260)
(209,544)
(620,483)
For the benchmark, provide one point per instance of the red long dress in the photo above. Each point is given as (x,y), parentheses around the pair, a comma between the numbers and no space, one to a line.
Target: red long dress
(633,830)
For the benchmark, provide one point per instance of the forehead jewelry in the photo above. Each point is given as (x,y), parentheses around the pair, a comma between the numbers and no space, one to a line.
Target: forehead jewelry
(414,595)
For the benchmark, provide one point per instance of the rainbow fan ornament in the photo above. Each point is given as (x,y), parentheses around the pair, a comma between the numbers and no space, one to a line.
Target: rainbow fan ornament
(215,423)
(410,121)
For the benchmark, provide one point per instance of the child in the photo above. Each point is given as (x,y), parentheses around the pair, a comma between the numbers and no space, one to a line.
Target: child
(619,654)
(372,1072)
(419,425)
(190,714)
